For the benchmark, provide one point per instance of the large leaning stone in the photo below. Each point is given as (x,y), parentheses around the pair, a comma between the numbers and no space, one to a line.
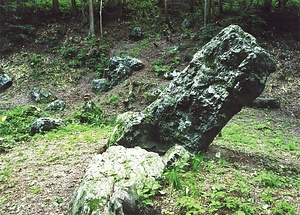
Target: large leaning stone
(228,73)
(113,181)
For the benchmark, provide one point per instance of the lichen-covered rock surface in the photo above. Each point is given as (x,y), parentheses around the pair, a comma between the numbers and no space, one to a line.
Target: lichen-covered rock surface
(228,73)
(42,125)
(5,81)
(114,180)
(56,105)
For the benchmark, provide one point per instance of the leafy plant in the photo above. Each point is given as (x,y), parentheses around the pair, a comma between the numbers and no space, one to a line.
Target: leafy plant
(282,207)
(148,189)
(35,190)
(174,178)
(58,200)
(113,99)
(191,205)
(17,121)
(268,179)
(91,114)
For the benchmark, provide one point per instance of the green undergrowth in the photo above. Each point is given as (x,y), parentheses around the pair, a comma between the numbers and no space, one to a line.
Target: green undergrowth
(15,124)
(261,133)
(252,168)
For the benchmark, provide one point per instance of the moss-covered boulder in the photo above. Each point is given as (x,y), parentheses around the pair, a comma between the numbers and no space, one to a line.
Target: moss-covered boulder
(115,181)
(228,73)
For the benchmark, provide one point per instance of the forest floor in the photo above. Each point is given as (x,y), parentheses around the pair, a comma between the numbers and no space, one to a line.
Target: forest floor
(39,176)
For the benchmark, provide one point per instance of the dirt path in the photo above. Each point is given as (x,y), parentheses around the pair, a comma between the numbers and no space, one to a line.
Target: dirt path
(42,176)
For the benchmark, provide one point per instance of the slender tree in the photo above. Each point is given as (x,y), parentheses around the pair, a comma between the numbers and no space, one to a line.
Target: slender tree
(207,11)
(55,6)
(91,12)
(74,7)
(220,6)
(167,15)
(192,6)
(101,25)
(268,5)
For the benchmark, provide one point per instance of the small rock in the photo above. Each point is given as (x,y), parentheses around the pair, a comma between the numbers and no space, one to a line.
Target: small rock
(5,81)
(187,23)
(56,105)
(45,124)
(171,75)
(136,34)
(100,85)
(41,95)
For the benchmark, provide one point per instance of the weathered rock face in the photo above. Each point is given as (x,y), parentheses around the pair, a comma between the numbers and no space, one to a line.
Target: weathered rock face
(41,95)
(5,81)
(45,124)
(56,105)
(136,34)
(119,70)
(99,85)
(113,181)
(228,73)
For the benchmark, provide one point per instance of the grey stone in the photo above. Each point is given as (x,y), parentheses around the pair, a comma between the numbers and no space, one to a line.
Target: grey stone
(120,69)
(265,103)
(229,72)
(45,124)
(99,85)
(112,181)
(90,113)
(56,105)
(187,23)
(114,62)
(136,34)
(119,74)
(5,81)
(171,75)
(41,95)
(175,154)
(133,63)
(152,96)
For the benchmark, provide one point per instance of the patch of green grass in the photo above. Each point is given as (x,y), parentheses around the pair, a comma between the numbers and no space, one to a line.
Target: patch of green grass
(15,125)
(227,185)
(112,100)
(265,137)
(75,133)
(58,200)
(35,190)
(282,207)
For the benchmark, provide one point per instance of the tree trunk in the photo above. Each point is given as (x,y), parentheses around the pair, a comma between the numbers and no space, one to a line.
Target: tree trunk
(101,25)
(207,11)
(55,6)
(192,6)
(167,15)
(248,6)
(268,6)
(91,12)
(220,6)
(74,7)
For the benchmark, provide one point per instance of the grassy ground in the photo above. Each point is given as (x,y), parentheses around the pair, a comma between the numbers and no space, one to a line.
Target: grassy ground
(252,168)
